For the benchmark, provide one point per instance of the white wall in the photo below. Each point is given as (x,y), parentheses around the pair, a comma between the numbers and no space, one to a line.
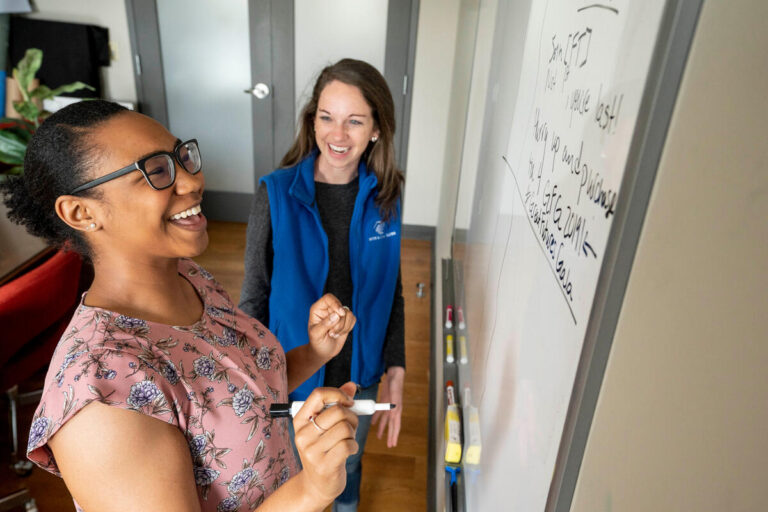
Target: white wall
(318,25)
(470,158)
(449,92)
(458,103)
(472,64)
(117,79)
(435,47)
(681,419)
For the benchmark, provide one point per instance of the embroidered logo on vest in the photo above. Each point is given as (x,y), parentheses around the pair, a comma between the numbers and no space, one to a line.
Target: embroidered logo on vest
(380,228)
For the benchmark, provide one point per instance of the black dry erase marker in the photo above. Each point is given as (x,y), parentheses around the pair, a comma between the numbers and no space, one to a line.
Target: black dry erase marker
(361,408)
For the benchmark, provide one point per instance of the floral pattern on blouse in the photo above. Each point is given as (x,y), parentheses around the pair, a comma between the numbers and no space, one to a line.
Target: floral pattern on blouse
(214,380)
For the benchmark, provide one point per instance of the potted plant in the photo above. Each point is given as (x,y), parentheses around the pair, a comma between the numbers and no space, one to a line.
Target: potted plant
(16,245)
(15,133)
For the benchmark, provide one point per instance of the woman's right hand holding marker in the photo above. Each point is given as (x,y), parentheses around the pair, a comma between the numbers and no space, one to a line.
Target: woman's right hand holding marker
(325,437)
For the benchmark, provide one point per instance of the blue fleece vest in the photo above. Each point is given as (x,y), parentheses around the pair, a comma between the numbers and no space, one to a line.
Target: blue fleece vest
(300,268)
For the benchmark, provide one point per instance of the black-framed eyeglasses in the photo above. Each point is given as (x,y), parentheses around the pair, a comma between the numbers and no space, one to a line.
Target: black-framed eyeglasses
(158,168)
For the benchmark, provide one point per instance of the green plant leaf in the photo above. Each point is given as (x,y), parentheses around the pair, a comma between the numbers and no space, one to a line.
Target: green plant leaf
(40,92)
(21,133)
(27,110)
(12,148)
(15,121)
(21,127)
(26,69)
(45,93)
(24,92)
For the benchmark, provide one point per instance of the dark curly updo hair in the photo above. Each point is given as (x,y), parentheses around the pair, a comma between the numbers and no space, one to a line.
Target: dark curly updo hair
(57,161)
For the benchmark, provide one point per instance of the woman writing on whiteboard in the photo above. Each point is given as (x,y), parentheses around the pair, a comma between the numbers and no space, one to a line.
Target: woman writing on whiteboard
(156,396)
(328,221)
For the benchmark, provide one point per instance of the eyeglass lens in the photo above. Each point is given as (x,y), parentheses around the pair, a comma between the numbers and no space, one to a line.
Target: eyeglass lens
(189,156)
(160,169)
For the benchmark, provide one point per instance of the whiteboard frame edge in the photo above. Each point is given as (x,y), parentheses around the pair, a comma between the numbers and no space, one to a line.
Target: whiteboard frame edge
(665,74)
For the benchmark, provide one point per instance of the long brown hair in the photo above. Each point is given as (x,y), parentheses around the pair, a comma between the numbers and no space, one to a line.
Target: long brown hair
(380,155)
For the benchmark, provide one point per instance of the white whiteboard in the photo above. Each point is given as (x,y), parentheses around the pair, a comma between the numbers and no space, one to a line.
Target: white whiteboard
(559,122)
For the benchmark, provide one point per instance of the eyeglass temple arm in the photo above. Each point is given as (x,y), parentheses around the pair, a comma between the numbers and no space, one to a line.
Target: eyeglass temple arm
(98,181)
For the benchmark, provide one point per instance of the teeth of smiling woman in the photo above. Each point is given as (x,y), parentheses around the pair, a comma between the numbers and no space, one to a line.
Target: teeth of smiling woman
(187,213)
(338,149)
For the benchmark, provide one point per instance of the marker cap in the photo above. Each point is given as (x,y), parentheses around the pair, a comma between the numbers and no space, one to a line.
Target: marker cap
(277,410)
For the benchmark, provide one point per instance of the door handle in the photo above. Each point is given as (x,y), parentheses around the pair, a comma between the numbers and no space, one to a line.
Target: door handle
(260,90)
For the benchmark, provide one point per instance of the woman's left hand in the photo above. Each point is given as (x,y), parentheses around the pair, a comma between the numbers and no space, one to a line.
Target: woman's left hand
(329,324)
(392,392)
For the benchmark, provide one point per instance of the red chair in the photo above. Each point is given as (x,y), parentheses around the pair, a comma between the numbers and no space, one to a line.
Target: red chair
(35,309)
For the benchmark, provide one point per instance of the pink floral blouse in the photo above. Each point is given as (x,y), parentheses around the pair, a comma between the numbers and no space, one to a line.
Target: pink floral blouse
(213,380)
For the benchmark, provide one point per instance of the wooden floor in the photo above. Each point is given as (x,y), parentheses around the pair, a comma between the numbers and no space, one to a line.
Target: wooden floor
(393,479)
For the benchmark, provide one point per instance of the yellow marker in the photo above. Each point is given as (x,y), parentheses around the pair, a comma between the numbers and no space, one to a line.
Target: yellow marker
(474,445)
(463,359)
(449,349)
(452,426)
(452,435)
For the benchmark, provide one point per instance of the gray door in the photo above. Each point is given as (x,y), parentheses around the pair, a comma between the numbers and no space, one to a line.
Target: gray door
(232,74)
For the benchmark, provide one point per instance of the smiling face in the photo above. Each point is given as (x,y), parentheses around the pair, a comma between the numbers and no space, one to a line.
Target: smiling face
(132,218)
(343,128)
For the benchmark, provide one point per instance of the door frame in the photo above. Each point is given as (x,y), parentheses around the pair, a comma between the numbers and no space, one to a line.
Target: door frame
(144,34)
(399,64)
(271,24)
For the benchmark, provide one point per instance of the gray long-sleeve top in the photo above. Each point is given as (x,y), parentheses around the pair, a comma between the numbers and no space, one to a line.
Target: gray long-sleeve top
(335,204)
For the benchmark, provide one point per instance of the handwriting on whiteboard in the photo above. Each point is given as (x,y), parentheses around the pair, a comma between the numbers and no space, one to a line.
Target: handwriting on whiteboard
(566,185)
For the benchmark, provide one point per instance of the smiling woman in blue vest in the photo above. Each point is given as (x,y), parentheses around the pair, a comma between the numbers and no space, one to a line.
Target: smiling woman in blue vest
(328,221)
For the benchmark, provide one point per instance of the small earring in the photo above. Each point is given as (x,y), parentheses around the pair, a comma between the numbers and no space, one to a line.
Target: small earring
(374,138)
(92,225)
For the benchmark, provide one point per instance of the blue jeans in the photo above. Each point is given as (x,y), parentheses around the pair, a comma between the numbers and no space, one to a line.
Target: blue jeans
(350,497)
